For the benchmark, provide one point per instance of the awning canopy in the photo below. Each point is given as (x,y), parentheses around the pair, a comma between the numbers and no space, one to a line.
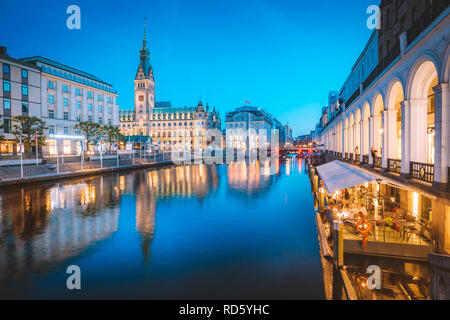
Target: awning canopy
(337,175)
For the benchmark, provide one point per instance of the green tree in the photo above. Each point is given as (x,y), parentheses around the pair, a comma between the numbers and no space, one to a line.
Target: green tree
(110,134)
(89,130)
(27,127)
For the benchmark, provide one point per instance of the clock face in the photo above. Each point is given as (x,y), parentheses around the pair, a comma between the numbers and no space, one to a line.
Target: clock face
(141,98)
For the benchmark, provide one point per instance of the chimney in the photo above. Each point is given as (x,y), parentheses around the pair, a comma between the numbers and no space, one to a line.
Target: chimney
(2,51)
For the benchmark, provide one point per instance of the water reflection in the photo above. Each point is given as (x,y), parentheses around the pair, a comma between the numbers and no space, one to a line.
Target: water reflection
(175,229)
(43,226)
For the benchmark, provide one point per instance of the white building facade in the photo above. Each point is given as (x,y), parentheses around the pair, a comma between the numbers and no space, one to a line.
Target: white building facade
(69,96)
(20,95)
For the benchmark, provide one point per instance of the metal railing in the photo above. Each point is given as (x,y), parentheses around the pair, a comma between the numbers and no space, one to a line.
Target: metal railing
(422,171)
(392,231)
(377,162)
(357,157)
(365,159)
(395,165)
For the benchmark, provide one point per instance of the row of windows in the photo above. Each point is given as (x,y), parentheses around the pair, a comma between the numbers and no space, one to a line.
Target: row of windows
(51,100)
(174,116)
(169,124)
(51,115)
(7,87)
(51,129)
(7,70)
(78,92)
(7,105)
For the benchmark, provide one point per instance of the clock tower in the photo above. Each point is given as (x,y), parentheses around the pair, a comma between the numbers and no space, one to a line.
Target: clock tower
(144,91)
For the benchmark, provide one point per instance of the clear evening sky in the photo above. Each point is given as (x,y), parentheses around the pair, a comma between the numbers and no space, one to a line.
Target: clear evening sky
(281,55)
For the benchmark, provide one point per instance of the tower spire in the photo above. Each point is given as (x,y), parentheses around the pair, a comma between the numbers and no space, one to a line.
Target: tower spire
(144,42)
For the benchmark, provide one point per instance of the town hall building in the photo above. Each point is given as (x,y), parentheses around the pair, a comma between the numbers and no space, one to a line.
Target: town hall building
(161,123)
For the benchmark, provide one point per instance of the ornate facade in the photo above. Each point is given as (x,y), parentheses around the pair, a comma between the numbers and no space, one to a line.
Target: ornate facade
(164,123)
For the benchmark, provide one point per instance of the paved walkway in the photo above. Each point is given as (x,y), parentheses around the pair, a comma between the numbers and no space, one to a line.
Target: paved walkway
(11,175)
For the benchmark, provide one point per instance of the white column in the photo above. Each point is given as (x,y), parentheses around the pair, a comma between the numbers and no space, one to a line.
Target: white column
(73,104)
(95,107)
(44,97)
(442,132)
(406,136)
(59,100)
(362,142)
(389,135)
(418,132)
(85,105)
(371,137)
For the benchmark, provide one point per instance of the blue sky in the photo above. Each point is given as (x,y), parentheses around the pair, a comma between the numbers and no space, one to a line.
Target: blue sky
(281,55)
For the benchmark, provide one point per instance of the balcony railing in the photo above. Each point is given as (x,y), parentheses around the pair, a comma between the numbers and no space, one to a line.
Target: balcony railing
(365,159)
(422,171)
(357,157)
(395,165)
(350,156)
(377,162)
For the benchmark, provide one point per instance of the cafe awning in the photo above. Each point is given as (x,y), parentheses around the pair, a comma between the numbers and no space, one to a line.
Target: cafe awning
(337,175)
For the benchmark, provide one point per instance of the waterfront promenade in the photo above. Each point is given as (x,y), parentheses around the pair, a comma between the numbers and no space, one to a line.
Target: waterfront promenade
(32,173)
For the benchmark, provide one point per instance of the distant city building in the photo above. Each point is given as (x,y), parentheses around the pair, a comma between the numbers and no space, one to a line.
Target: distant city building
(165,124)
(69,96)
(20,95)
(245,118)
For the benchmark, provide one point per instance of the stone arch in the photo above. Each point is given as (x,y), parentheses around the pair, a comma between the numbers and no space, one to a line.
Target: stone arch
(365,150)
(424,76)
(358,142)
(428,61)
(346,131)
(377,127)
(351,136)
(395,97)
(445,72)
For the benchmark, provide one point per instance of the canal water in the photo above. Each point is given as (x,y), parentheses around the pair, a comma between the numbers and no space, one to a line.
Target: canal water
(183,232)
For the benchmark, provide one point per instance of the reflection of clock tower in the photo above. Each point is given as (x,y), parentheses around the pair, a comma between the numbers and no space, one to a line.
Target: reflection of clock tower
(144,91)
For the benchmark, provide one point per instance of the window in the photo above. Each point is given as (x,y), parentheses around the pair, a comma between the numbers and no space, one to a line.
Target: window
(6,86)
(66,102)
(66,130)
(24,90)
(6,125)
(100,108)
(109,110)
(110,100)
(90,106)
(109,121)
(78,104)
(90,118)
(89,94)
(51,99)
(100,97)
(100,120)
(6,68)
(66,116)
(51,84)
(24,74)
(51,129)
(51,114)
(65,88)
(24,106)
(78,92)
(78,117)
(6,104)
(414,14)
